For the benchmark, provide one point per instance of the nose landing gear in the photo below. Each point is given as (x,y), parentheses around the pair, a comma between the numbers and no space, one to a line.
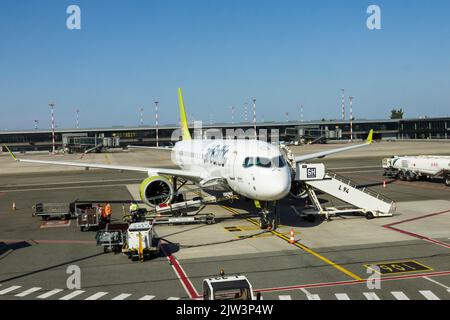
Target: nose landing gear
(269,218)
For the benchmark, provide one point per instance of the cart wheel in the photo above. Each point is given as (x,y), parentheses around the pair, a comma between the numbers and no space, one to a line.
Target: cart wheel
(105,249)
(369,215)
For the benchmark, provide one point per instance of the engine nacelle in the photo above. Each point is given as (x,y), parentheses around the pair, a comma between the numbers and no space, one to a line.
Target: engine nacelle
(298,189)
(156,190)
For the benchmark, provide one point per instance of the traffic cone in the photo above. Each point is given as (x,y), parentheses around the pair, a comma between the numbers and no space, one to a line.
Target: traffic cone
(384,184)
(292,238)
(14,206)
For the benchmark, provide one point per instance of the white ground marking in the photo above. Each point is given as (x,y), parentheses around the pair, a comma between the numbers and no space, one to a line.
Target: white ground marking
(50,293)
(438,283)
(358,171)
(96,296)
(72,295)
(63,188)
(173,298)
(7,290)
(27,292)
(73,182)
(371,296)
(399,295)
(429,295)
(147,298)
(285,297)
(309,295)
(361,167)
(342,296)
(122,296)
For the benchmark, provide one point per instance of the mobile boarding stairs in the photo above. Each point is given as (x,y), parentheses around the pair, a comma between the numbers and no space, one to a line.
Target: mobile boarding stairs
(363,200)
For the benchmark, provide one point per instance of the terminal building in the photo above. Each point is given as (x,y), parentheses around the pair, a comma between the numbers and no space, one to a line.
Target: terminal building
(311,131)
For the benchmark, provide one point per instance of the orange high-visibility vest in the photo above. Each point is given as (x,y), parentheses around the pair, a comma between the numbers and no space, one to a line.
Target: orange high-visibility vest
(108,209)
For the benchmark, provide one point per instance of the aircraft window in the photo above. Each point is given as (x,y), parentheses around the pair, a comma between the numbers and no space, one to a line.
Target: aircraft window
(248,162)
(279,162)
(263,162)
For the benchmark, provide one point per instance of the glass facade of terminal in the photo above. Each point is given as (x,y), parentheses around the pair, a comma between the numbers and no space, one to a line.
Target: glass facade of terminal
(428,128)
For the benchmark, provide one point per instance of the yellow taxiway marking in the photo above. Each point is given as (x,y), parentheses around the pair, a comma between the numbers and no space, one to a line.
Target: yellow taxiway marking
(107,160)
(262,235)
(315,254)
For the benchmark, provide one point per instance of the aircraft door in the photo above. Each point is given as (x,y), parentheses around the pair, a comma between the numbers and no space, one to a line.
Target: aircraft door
(233,171)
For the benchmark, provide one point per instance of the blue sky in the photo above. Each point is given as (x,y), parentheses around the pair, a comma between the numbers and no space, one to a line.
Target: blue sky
(221,53)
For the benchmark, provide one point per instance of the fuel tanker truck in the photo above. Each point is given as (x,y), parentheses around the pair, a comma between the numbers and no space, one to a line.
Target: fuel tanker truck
(412,168)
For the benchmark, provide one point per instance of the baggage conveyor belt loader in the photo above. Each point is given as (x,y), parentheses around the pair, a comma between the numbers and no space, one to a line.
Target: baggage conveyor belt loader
(314,177)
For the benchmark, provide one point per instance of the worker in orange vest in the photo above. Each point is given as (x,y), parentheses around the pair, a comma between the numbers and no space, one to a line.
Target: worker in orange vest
(106,214)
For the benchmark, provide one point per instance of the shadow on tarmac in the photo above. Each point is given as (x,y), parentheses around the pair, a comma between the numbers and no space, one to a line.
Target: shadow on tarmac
(51,267)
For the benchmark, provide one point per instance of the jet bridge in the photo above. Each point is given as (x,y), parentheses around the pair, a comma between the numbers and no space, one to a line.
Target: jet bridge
(315,177)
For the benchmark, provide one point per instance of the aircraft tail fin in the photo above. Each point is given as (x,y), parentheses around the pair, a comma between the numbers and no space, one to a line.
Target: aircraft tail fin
(183,120)
(370,136)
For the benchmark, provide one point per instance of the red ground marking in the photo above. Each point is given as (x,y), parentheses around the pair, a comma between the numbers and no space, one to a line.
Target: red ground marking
(187,284)
(415,235)
(352,282)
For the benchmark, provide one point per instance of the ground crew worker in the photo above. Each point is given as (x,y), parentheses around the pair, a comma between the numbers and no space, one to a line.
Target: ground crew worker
(108,212)
(103,215)
(134,211)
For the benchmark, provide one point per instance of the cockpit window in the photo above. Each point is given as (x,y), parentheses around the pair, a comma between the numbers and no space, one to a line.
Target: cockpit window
(263,162)
(248,162)
(279,162)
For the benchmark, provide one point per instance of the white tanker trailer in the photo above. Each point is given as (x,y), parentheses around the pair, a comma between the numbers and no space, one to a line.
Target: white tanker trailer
(412,168)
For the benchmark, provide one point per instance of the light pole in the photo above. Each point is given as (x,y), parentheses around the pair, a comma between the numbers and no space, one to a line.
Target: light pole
(254,118)
(351,118)
(343,104)
(52,108)
(78,119)
(245,112)
(36,122)
(141,120)
(156,102)
(232,114)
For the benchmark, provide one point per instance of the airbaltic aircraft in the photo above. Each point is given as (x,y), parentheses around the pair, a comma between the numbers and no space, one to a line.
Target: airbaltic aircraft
(254,169)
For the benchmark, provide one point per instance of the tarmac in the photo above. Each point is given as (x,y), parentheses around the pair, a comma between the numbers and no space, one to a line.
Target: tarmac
(330,259)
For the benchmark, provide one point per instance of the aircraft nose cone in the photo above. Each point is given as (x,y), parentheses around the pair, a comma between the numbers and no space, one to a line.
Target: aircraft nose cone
(278,186)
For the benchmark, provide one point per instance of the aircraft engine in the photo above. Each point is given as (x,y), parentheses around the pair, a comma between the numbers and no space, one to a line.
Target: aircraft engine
(298,189)
(156,190)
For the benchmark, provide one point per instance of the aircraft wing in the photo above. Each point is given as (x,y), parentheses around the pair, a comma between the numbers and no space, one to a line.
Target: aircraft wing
(323,154)
(185,174)
(150,148)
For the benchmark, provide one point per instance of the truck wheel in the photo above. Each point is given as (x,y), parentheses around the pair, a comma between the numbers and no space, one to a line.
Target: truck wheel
(401,176)
(410,176)
(447,181)
(369,215)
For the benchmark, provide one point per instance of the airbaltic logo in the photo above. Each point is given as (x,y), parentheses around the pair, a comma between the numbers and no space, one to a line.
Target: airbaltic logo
(216,154)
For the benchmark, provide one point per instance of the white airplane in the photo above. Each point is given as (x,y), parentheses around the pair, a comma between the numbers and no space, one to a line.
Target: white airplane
(250,168)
